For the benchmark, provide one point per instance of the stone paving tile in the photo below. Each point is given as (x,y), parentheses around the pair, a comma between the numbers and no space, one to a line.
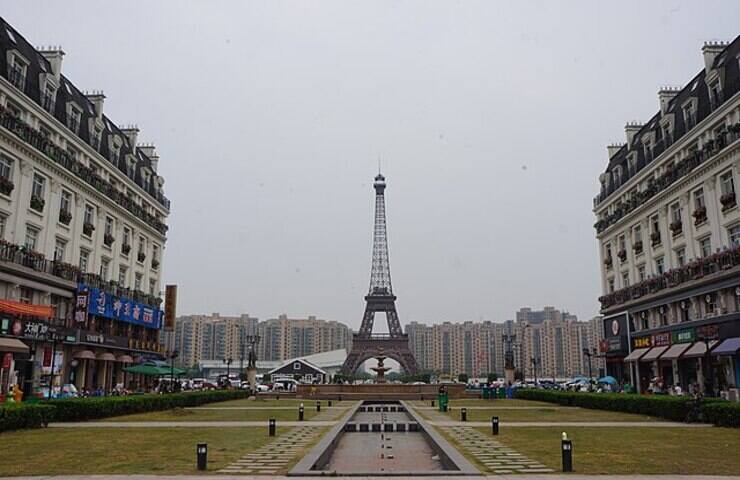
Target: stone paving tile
(274,456)
(495,456)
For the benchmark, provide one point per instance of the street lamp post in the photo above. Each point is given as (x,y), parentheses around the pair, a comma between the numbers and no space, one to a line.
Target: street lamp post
(588,354)
(253,340)
(173,355)
(535,362)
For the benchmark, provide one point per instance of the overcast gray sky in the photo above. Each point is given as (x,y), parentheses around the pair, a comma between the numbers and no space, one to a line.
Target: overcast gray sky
(491,119)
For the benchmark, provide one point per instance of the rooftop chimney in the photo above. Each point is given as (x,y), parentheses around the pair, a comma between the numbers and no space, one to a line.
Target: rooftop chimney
(54,56)
(151,152)
(132,133)
(613,149)
(710,51)
(97,98)
(665,95)
(630,129)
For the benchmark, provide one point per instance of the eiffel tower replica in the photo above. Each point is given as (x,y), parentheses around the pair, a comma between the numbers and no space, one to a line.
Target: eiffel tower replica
(395,343)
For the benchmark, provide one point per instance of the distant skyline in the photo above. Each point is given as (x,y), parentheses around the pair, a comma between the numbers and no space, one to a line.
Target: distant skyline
(491,119)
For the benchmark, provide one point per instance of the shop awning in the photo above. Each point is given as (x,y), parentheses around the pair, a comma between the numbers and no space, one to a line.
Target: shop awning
(154,370)
(12,345)
(699,349)
(107,357)
(728,347)
(124,359)
(84,355)
(675,351)
(636,354)
(18,308)
(653,354)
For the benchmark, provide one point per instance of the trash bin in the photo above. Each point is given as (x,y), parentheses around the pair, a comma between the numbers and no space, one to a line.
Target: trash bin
(486,393)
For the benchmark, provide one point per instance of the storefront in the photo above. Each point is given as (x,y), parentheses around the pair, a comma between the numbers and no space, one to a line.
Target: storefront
(614,346)
(728,353)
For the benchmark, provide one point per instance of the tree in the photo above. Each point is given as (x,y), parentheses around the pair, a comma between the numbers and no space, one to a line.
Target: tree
(462,378)
(492,377)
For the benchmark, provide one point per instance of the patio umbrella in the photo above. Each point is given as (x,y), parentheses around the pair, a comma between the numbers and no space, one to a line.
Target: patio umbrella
(608,379)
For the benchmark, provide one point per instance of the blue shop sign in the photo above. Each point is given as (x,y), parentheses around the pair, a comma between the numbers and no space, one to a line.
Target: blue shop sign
(104,304)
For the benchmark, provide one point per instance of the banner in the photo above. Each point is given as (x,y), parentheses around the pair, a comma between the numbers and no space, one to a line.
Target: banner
(104,304)
(170,306)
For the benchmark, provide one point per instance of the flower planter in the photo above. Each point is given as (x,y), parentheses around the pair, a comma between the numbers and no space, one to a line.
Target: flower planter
(676,227)
(6,186)
(728,200)
(125,248)
(622,254)
(65,217)
(655,239)
(37,203)
(88,228)
(608,262)
(155,264)
(108,239)
(637,247)
(700,215)
(141,257)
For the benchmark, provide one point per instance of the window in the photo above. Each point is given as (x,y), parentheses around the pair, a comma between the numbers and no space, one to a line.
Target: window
(95,139)
(705,247)
(647,151)
(663,315)
(6,167)
(152,286)
(89,214)
(137,281)
(734,234)
(126,236)
(142,245)
(727,183)
(625,279)
(637,238)
(104,267)
(611,285)
(681,257)
(73,119)
(676,212)
(122,275)
(115,153)
(155,253)
(644,325)
(689,119)
(622,243)
(59,250)
(17,73)
(641,273)
(715,94)
(699,199)
(108,226)
(667,135)
(47,98)
(659,266)
(131,169)
(3,221)
(84,260)
(32,237)
(296,365)
(710,300)
(37,189)
(26,295)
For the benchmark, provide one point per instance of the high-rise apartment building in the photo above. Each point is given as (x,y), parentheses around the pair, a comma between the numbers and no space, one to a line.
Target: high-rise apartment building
(211,337)
(283,338)
(555,340)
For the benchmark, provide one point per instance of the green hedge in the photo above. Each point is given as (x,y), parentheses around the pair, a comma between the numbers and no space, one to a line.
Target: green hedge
(16,416)
(673,408)
(724,414)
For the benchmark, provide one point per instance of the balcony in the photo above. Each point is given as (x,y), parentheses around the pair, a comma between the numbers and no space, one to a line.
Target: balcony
(20,255)
(33,137)
(695,270)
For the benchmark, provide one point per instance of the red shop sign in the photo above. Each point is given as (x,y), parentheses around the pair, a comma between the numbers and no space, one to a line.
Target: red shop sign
(661,339)
(47,357)
(7,360)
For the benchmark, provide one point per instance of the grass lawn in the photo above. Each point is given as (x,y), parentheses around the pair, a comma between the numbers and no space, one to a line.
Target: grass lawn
(478,402)
(123,451)
(205,415)
(624,450)
(550,414)
(288,402)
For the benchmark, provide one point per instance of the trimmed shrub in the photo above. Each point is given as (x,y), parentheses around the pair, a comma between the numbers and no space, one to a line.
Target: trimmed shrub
(80,409)
(18,416)
(723,414)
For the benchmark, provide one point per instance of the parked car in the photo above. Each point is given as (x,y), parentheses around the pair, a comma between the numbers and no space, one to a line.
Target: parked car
(68,390)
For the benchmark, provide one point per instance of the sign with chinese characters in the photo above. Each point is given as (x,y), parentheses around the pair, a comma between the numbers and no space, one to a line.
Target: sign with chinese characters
(103,304)
(661,339)
(82,300)
(641,342)
(707,332)
(170,306)
(86,336)
(684,336)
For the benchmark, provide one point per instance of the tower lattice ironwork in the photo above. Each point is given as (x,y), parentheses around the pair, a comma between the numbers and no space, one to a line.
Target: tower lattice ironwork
(380,299)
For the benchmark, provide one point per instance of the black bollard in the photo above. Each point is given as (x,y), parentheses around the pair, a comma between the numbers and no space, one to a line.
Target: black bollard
(463,414)
(494,425)
(432,402)
(445,408)
(300,413)
(201,451)
(271,427)
(328,402)
(318,405)
(567,449)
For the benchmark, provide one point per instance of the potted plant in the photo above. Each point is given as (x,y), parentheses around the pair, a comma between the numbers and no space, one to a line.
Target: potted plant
(6,186)
(65,217)
(727,200)
(622,254)
(655,238)
(88,228)
(608,261)
(676,227)
(37,203)
(125,248)
(155,263)
(141,256)
(637,246)
(108,239)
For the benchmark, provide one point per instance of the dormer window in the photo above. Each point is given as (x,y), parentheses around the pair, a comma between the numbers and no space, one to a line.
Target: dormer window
(95,138)
(131,168)
(689,116)
(115,152)
(667,135)
(17,72)
(48,97)
(73,119)
(647,151)
(146,182)
(715,94)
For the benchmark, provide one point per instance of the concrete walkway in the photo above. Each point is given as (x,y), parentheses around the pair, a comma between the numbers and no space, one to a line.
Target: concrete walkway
(282,477)
(190,424)
(573,424)
(494,407)
(307,407)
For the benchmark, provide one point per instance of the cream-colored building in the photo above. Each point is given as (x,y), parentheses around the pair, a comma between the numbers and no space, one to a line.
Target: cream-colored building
(211,337)
(668,227)
(283,338)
